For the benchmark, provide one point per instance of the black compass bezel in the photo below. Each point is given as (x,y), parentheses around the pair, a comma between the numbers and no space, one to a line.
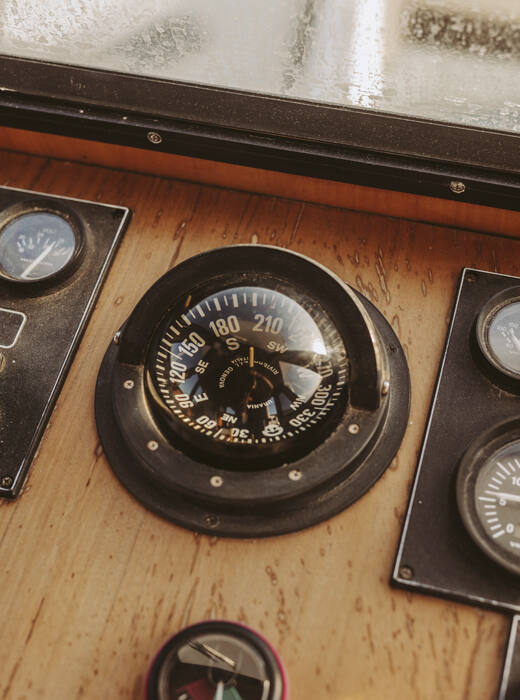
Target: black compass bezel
(295,494)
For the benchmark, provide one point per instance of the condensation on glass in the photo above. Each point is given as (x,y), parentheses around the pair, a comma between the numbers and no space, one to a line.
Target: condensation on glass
(450,60)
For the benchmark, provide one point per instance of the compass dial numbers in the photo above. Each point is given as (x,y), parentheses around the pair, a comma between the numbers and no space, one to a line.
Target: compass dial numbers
(249,366)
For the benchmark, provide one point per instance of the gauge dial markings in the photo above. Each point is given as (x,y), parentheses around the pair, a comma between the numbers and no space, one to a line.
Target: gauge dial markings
(41,257)
(37,245)
(497,499)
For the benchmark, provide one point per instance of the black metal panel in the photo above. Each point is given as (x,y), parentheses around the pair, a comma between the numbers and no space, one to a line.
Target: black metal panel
(42,327)
(436,554)
(510,684)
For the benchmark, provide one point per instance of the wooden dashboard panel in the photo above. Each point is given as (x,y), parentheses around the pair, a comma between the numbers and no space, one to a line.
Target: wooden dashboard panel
(453,211)
(91,584)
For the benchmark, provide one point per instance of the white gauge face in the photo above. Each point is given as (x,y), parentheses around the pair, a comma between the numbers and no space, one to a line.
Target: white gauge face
(497,499)
(503,337)
(36,246)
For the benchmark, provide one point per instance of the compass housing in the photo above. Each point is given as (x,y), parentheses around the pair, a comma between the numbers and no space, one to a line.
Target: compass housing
(278,475)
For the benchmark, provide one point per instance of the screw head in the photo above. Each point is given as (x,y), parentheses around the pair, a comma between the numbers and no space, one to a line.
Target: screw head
(457,187)
(211,520)
(117,337)
(152,445)
(129,384)
(406,572)
(353,428)
(154,137)
(216,481)
(6,481)
(295,475)
(385,387)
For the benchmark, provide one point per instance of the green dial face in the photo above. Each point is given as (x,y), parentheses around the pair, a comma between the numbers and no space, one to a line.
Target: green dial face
(36,246)
(249,369)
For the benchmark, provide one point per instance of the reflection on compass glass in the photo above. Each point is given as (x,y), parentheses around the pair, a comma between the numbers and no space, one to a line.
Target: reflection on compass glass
(250,370)
(216,661)
(36,246)
(504,336)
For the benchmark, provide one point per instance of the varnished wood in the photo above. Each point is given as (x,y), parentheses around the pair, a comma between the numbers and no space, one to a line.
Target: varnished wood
(91,584)
(369,199)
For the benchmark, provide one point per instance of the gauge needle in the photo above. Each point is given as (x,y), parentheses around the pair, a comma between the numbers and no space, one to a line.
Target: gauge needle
(220,691)
(515,340)
(251,356)
(508,496)
(211,653)
(38,260)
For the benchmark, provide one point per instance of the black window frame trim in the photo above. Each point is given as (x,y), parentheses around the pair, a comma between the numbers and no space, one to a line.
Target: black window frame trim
(321,140)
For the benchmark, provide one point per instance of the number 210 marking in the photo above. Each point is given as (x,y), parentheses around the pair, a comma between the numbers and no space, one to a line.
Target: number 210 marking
(268,324)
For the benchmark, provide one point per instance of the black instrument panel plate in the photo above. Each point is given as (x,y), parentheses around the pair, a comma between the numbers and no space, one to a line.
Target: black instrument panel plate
(510,683)
(41,327)
(436,554)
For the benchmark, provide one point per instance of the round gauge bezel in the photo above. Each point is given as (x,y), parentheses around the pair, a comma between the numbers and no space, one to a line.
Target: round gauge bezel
(275,671)
(498,372)
(44,206)
(480,452)
(283,498)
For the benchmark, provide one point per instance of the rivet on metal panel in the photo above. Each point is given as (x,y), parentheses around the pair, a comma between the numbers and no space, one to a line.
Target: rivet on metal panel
(154,137)
(457,187)
(211,520)
(406,572)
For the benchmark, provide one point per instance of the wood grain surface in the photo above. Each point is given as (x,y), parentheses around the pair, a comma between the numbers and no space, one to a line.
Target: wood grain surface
(91,584)
(453,211)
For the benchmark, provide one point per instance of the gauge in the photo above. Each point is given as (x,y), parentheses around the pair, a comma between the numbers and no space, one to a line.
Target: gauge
(216,660)
(488,494)
(37,246)
(498,336)
(250,382)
